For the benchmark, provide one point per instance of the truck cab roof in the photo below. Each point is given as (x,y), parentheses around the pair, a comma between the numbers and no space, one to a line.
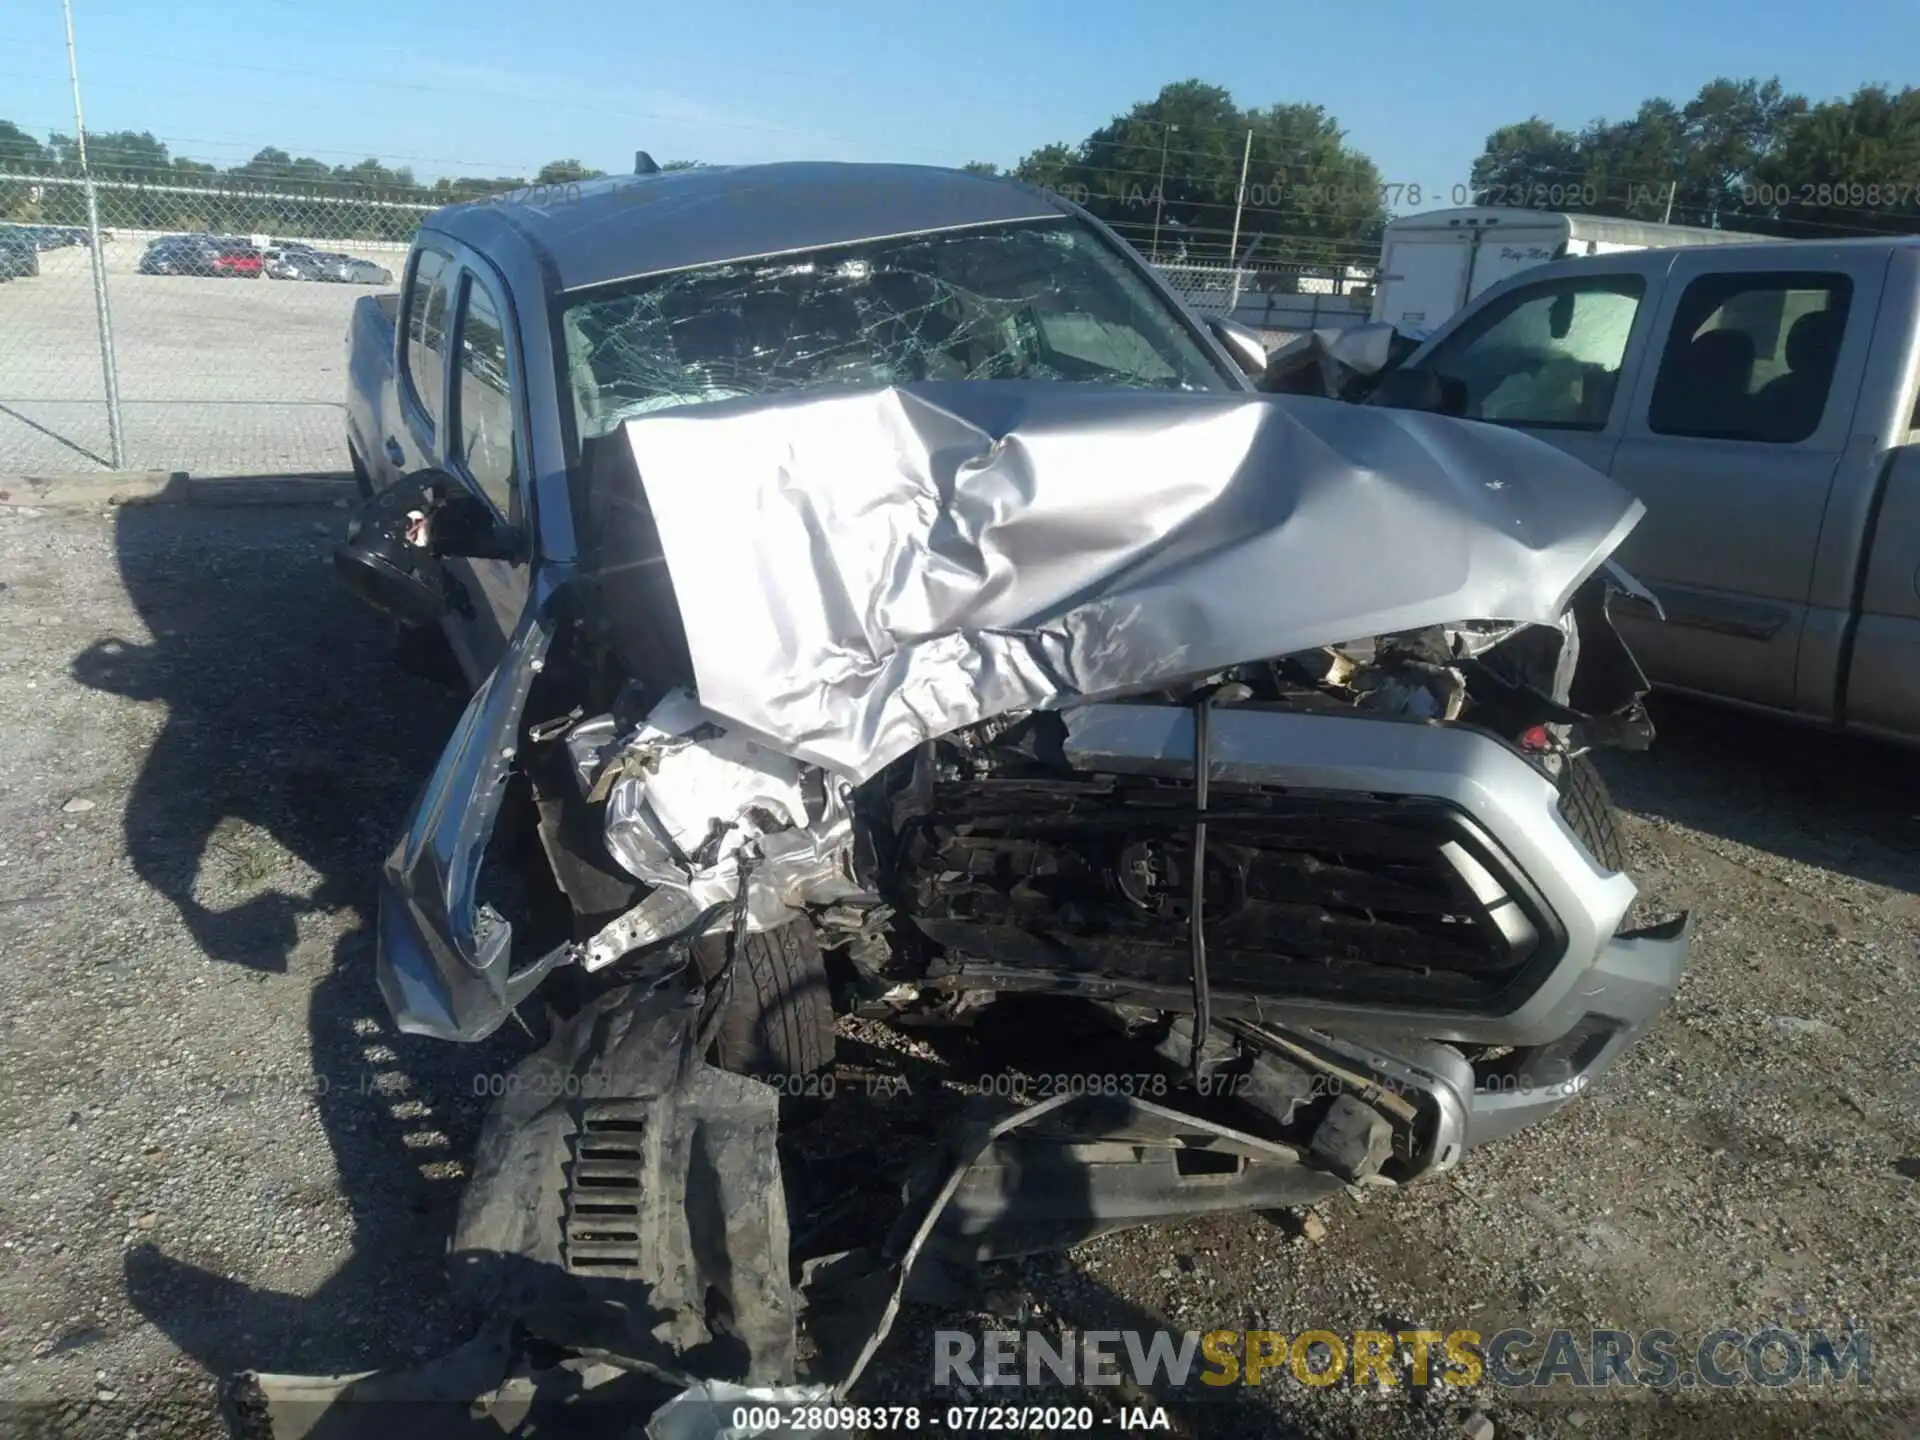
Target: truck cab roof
(596,232)
(1733,255)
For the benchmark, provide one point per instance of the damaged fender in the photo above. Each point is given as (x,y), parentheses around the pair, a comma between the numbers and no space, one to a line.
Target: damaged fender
(445,955)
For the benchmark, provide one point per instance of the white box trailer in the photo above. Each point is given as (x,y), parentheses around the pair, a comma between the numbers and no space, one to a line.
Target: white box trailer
(1433,263)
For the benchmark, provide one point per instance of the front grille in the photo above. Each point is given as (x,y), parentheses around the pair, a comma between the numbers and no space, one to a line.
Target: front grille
(1389,899)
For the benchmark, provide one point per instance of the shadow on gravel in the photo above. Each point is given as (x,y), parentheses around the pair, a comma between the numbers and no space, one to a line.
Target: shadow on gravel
(1839,802)
(291,749)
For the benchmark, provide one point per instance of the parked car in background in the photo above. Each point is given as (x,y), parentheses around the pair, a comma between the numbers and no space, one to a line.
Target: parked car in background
(178,255)
(294,262)
(237,259)
(215,255)
(1763,400)
(19,252)
(55,237)
(352,270)
(52,237)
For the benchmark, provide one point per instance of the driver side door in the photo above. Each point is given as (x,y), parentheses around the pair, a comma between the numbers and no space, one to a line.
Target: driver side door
(485,446)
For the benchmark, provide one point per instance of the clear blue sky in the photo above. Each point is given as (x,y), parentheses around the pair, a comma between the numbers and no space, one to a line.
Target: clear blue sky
(500,86)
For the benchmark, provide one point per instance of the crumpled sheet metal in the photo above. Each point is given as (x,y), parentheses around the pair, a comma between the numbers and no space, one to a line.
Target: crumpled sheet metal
(1324,362)
(689,797)
(692,780)
(859,572)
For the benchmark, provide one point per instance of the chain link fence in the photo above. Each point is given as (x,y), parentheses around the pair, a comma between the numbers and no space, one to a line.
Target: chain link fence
(227,311)
(1279,301)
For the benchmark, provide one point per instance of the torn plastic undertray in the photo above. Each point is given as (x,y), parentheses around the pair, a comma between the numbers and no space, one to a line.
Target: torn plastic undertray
(627,1209)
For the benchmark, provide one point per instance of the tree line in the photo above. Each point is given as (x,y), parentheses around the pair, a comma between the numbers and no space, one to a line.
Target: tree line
(1168,175)
(1743,155)
(274,192)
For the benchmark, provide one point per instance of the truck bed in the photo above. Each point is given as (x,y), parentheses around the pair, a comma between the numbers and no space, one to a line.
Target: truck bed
(370,385)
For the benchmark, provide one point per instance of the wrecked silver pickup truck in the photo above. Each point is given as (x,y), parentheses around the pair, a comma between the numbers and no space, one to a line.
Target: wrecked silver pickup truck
(928,624)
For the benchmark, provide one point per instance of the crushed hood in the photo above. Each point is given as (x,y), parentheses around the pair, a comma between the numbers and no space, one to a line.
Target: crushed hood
(863,570)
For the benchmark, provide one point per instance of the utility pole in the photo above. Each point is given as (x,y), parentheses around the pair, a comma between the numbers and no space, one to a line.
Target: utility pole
(109,371)
(1239,200)
(1160,190)
(1672,186)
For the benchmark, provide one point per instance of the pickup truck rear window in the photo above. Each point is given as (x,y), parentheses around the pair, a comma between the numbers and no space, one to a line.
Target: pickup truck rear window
(1751,356)
(1028,301)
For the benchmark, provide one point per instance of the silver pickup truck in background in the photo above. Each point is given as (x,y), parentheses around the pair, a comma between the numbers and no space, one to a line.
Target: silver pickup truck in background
(1761,401)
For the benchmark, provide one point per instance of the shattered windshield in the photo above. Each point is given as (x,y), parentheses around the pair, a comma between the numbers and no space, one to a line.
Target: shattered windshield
(1047,301)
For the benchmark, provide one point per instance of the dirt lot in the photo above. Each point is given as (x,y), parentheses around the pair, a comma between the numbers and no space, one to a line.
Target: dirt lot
(217,1153)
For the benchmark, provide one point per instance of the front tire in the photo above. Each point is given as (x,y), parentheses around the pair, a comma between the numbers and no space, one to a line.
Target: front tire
(778,1015)
(1589,811)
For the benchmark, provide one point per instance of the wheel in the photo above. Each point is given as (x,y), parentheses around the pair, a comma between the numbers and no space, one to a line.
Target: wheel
(1589,810)
(778,1016)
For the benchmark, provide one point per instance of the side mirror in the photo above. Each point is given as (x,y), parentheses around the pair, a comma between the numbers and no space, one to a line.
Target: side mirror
(1245,346)
(391,556)
(1365,349)
(1421,389)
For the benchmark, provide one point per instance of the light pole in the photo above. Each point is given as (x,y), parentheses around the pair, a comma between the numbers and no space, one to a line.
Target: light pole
(1160,190)
(109,374)
(1239,202)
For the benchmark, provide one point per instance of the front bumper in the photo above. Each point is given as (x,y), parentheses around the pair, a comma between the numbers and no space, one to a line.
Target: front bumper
(1565,1027)
(1629,985)
(1511,801)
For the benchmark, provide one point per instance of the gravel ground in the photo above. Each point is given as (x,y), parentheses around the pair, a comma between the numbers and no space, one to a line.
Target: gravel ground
(217,377)
(218,1154)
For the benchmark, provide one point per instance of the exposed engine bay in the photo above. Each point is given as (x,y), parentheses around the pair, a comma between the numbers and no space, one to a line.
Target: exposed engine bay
(995,833)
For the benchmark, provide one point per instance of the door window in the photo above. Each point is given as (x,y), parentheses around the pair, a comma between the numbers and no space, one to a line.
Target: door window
(486,401)
(426,333)
(1547,355)
(1751,357)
